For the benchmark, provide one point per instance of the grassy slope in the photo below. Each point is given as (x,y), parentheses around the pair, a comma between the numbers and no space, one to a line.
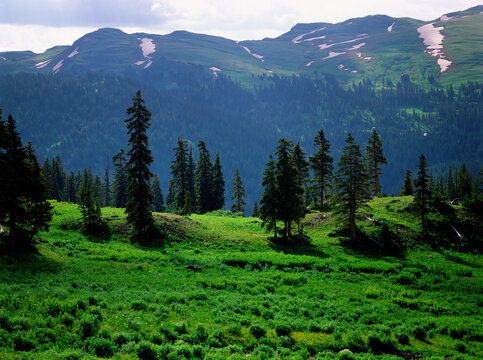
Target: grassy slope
(331,298)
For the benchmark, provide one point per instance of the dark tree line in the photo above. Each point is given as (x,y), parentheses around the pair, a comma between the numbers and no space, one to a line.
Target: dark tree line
(24,209)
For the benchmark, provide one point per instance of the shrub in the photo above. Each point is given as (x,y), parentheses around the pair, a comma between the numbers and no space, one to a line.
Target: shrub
(201,334)
(88,326)
(156,338)
(198,352)
(406,278)
(69,223)
(101,347)
(419,333)
(460,347)
(403,339)
(181,328)
(283,329)
(235,329)
(286,341)
(22,342)
(380,343)
(257,331)
(146,351)
(67,320)
(139,305)
(120,339)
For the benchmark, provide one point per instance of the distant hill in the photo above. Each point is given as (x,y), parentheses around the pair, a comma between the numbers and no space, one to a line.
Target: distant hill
(444,51)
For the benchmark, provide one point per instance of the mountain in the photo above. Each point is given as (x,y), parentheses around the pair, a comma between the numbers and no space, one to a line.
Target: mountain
(444,51)
(241,97)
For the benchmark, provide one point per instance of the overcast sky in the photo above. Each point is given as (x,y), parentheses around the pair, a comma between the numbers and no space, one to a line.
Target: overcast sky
(39,24)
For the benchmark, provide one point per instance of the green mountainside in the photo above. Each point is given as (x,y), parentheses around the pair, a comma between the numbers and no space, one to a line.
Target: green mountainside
(369,47)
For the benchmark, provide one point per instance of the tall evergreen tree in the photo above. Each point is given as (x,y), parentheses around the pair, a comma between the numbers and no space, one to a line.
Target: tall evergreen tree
(290,194)
(422,192)
(407,188)
(190,175)
(238,192)
(107,188)
(179,170)
(269,201)
(301,166)
(119,186)
(375,158)
(204,180)
(71,195)
(170,204)
(59,178)
(23,194)
(139,196)
(450,185)
(158,201)
(255,210)
(218,184)
(351,184)
(321,164)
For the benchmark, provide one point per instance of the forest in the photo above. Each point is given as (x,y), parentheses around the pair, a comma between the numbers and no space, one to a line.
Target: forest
(61,114)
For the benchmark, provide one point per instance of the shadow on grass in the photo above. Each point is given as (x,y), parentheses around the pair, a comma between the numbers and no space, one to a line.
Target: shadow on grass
(27,266)
(296,245)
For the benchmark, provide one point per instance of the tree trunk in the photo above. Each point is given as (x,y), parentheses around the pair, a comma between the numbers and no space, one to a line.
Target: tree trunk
(352,224)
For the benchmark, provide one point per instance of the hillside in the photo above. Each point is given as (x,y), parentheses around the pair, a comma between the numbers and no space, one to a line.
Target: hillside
(444,51)
(231,293)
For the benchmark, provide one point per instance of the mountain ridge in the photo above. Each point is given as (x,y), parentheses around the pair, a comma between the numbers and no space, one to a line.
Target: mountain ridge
(365,47)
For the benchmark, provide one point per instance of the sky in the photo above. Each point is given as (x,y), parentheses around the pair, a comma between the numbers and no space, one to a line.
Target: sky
(40,24)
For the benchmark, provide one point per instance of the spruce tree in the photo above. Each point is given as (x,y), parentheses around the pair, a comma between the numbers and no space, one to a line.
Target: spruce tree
(139,196)
(71,189)
(179,171)
(190,175)
(269,201)
(158,201)
(218,184)
(351,184)
(23,197)
(238,192)
(301,166)
(204,180)
(321,164)
(450,185)
(170,204)
(290,194)
(119,185)
(407,188)
(375,159)
(255,210)
(422,192)
(107,188)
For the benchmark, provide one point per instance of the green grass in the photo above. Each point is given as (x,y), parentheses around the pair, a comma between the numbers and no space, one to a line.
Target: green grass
(84,297)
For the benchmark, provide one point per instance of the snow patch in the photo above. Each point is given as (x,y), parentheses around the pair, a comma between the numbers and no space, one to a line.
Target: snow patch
(446,18)
(358,46)
(325,46)
(147,47)
(309,63)
(215,70)
(359,55)
(42,64)
(443,64)
(73,53)
(333,54)
(298,39)
(354,71)
(2,58)
(433,39)
(389,28)
(148,64)
(140,62)
(57,66)
(340,67)
(260,57)
(315,38)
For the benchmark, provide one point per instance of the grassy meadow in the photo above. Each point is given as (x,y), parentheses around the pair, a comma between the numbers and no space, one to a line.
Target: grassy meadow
(218,288)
